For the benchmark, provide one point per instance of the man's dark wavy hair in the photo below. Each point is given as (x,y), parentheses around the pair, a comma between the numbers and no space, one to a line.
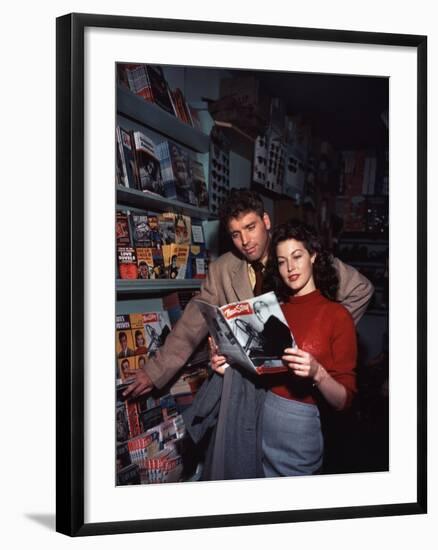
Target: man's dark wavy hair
(324,273)
(240,201)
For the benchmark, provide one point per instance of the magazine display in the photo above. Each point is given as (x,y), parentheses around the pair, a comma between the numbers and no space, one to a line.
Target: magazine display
(252,333)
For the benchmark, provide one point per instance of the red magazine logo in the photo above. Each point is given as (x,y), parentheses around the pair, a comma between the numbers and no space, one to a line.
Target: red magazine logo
(150,317)
(244,308)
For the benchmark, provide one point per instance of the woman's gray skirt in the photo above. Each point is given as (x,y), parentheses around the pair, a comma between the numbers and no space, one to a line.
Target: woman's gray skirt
(292,440)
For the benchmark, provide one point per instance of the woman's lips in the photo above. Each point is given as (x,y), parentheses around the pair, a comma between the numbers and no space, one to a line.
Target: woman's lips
(293,278)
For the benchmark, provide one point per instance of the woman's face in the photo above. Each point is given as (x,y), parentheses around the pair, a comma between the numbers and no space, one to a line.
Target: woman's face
(139,340)
(295,266)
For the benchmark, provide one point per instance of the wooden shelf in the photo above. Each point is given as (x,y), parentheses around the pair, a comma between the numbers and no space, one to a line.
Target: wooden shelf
(144,200)
(154,286)
(147,113)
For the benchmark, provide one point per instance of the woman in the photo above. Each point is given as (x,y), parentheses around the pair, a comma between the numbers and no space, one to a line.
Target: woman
(320,367)
(140,344)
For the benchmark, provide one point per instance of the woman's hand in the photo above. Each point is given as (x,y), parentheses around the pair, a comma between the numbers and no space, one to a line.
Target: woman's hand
(218,362)
(301,363)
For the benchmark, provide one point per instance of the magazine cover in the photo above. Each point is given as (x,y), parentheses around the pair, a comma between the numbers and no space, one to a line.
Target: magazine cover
(126,364)
(197,262)
(145,263)
(127,262)
(175,171)
(178,258)
(123,235)
(147,164)
(138,335)
(124,340)
(183,229)
(159,267)
(141,231)
(127,157)
(157,327)
(252,333)
(154,231)
(166,227)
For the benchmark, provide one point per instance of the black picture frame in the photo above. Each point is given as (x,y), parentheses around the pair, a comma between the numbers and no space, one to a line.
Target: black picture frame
(70,273)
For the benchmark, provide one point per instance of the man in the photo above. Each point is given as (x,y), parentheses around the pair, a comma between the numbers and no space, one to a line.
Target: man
(235,276)
(125,350)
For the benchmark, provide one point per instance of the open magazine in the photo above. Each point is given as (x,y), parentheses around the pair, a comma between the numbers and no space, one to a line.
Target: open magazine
(252,333)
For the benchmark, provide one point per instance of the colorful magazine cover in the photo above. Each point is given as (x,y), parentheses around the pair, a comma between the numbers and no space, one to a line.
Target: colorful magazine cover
(252,333)
(178,259)
(166,227)
(145,263)
(157,327)
(148,171)
(141,231)
(138,335)
(127,262)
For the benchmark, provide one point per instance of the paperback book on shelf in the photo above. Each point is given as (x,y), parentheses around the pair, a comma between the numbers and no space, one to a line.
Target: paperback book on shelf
(176,258)
(147,165)
(252,333)
(197,232)
(123,234)
(166,227)
(159,88)
(159,267)
(134,76)
(145,263)
(175,171)
(154,230)
(141,231)
(180,106)
(183,229)
(126,151)
(197,262)
(127,262)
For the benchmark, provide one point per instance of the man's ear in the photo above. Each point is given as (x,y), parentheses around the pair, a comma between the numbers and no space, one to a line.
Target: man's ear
(267,221)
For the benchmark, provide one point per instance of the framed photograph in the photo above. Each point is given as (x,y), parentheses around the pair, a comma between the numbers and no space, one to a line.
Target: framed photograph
(125,87)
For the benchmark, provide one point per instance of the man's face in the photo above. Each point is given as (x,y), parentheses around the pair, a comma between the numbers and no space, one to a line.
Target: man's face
(250,235)
(123,341)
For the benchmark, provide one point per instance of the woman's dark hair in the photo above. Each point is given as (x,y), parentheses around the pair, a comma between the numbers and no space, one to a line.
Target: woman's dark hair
(240,201)
(324,273)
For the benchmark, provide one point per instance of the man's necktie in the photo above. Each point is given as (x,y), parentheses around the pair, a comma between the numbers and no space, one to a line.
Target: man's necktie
(258,270)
